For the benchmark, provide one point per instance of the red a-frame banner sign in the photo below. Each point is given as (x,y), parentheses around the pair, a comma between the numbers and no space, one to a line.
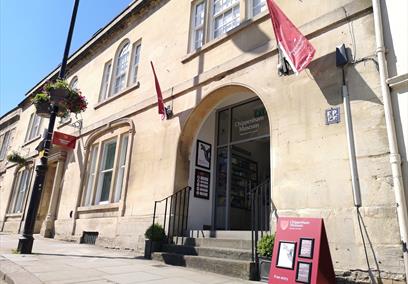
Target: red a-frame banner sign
(301,253)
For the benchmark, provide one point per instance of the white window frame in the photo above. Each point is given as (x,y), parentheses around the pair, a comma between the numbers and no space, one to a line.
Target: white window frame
(34,127)
(92,188)
(222,13)
(135,62)
(105,85)
(194,28)
(252,7)
(20,190)
(5,140)
(116,74)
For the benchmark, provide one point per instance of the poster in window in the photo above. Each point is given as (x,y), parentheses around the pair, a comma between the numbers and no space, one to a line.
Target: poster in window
(203,155)
(286,255)
(306,248)
(303,272)
(202,184)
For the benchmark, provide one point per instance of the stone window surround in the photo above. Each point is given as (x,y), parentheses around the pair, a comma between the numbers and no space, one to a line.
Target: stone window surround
(94,137)
(129,85)
(246,14)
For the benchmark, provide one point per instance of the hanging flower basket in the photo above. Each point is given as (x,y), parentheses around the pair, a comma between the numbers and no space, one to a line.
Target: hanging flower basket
(59,93)
(43,109)
(17,158)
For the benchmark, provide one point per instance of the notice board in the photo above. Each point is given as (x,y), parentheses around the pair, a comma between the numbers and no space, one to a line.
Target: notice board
(301,252)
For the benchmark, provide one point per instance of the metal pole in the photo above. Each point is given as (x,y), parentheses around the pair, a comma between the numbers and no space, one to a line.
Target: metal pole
(350,141)
(25,243)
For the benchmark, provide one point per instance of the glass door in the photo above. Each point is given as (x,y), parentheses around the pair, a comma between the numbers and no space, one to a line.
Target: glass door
(239,157)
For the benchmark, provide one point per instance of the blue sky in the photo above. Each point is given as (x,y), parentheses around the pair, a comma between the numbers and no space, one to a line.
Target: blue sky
(33,35)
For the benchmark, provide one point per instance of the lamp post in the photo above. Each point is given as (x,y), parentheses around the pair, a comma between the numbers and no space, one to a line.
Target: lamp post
(25,243)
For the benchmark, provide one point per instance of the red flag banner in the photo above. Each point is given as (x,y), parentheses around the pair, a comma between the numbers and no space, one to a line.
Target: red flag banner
(64,140)
(160,103)
(295,47)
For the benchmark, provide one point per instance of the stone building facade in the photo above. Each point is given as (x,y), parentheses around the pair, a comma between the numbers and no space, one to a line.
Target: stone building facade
(216,63)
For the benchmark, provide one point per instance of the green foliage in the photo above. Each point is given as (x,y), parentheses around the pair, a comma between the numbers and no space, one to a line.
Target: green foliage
(265,246)
(58,84)
(155,233)
(41,98)
(16,157)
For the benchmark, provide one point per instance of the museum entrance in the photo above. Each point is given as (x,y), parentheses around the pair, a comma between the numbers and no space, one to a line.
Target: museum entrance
(242,162)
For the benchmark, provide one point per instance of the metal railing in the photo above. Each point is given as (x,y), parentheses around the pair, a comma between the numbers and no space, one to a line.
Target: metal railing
(175,213)
(260,214)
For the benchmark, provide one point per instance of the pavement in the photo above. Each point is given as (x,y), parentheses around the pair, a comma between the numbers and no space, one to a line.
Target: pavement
(54,261)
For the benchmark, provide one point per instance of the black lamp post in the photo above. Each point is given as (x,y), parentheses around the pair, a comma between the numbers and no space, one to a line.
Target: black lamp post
(25,243)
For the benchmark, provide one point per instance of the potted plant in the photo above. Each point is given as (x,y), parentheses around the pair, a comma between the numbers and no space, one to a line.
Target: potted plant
(41,102)
(265,249)
(16,157)
(155,237)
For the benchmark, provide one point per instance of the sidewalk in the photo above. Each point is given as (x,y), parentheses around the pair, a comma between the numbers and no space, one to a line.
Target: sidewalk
(55,261)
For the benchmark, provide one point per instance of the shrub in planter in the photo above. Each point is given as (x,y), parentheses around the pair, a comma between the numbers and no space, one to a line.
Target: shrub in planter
(17,158)
(42,104)
(58,91)
(155,236)
(265,249)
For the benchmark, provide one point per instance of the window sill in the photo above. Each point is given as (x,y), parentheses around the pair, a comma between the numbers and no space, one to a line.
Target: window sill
(216,42)
(110,206)
(31,141)
(64,123)
(120,94)
(14,215)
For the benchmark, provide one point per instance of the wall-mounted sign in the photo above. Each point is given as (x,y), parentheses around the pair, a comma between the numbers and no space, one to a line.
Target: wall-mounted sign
(203,155)
(64,140)
(332,115)
(249,120)
(202,184)
(313,261)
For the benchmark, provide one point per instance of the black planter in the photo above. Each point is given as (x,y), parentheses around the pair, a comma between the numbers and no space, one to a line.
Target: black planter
(151,247)
(264,268)
(58,96)
(43,109)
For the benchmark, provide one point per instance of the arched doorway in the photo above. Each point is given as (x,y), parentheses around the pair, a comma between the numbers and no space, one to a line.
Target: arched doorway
(224,152)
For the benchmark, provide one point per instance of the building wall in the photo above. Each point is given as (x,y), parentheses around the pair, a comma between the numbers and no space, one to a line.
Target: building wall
(309,160)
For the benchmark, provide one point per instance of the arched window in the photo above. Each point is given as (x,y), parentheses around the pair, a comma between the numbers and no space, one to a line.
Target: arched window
(74,83)
(121,67)
(107,161)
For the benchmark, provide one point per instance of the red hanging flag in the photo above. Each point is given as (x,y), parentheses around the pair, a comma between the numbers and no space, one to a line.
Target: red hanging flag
(160,103)
(295,47)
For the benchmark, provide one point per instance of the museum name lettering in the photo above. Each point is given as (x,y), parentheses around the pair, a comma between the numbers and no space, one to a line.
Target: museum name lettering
(249,124)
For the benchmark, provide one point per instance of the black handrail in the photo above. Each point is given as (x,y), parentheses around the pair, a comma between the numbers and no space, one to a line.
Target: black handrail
(177,213)
(260,215)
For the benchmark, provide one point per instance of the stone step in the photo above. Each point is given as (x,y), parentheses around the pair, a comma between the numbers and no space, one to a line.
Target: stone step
(228,253)
(213,243)
(235,268)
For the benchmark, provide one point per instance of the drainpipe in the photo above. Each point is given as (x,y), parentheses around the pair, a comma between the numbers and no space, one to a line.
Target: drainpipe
(395,158)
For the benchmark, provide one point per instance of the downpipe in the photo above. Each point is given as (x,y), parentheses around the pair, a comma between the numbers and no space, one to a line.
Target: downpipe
(395,158)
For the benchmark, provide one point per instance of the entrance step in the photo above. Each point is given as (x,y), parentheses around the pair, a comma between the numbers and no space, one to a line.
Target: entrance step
(230,257)
(214,242)
(235,268)
(228,253)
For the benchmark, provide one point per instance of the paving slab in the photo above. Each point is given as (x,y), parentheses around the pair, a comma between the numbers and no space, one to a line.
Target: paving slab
(58,262)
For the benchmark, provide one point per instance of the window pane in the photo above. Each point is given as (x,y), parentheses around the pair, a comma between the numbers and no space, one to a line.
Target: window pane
(136,60)
(226,16)
(4,145)
(258,6)
(121,68)
(223,129)
(91,175)
(21,190)
(105,82)
(35,127)
(106,170)
(199,15)
(121,170)
(106,182)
